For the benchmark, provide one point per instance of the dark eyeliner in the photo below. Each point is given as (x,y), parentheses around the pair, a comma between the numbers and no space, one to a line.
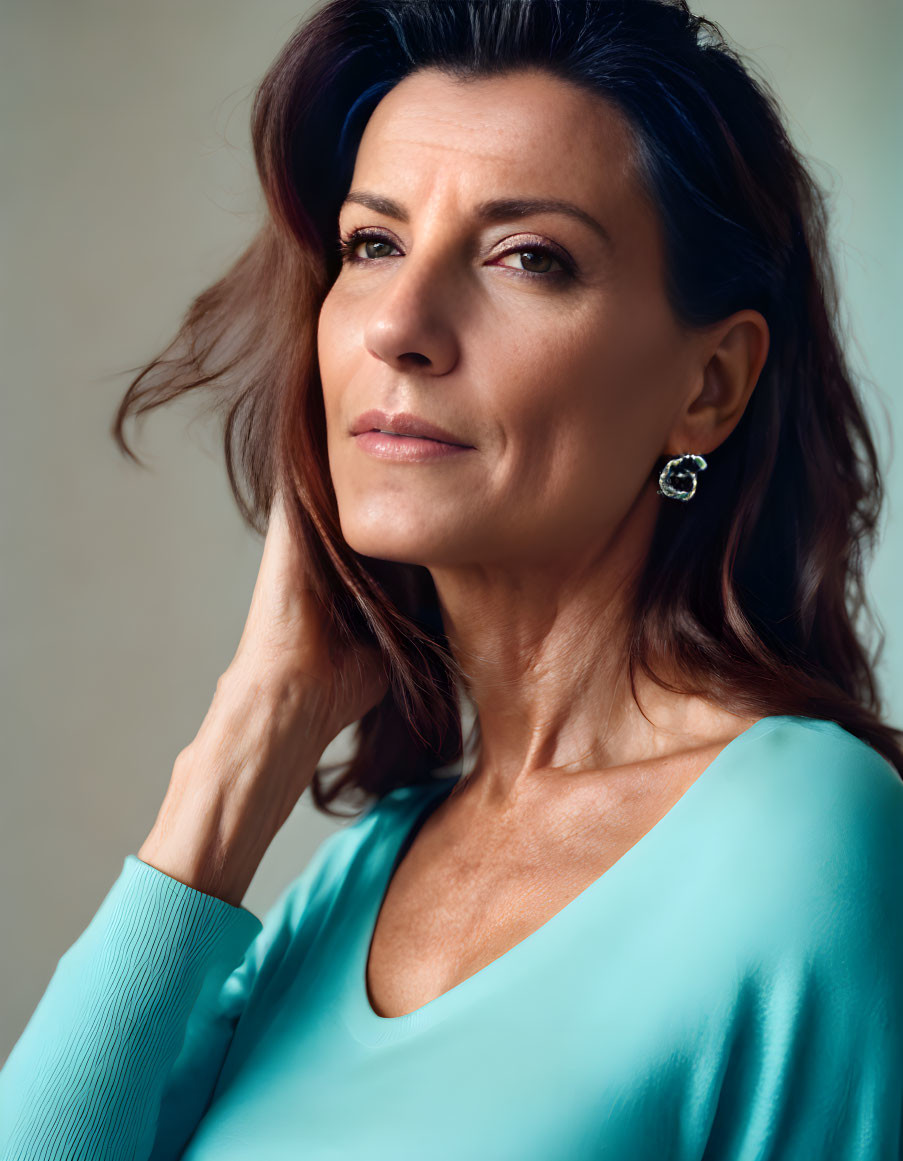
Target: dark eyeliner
(348,243)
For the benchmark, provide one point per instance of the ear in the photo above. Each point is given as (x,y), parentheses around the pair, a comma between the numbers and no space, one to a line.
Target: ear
(727,364)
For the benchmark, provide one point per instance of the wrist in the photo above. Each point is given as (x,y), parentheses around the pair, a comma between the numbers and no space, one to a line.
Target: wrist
(234,785)
(276,700)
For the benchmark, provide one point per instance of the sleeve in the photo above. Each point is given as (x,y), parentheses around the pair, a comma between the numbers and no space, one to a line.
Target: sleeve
(843,1095)
(122,1054)
(819,1064)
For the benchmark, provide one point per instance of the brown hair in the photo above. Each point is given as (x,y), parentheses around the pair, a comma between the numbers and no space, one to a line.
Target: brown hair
(752,590)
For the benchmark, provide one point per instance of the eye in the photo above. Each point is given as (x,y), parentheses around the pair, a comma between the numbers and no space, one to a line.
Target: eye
(349,243)
(534,253)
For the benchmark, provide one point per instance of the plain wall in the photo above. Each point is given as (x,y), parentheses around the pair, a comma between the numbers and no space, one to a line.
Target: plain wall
(127,187)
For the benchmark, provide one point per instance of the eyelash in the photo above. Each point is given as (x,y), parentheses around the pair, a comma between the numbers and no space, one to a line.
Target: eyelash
(348,243)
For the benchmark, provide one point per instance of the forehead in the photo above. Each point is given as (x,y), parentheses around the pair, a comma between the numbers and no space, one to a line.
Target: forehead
(529,131)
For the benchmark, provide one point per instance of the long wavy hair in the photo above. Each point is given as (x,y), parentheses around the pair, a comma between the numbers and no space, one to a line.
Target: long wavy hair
(753,592)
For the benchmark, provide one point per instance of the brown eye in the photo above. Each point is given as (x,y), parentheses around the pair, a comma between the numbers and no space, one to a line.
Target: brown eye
(535,259)
(530,257)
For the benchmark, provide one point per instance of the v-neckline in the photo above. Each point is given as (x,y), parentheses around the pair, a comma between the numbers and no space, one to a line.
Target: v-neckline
(370,1027)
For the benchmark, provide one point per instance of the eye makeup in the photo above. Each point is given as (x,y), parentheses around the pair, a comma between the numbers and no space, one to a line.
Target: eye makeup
(348,244)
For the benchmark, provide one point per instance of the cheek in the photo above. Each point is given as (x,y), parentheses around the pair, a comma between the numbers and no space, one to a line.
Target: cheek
(627,373)
(334,356)
(566,398)
(333,376)
(587,433)
(326,347)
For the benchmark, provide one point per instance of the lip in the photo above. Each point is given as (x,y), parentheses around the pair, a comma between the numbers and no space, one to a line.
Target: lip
(404,423)
(407,449)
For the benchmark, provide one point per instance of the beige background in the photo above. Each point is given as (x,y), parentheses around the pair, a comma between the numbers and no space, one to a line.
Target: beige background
(127,186)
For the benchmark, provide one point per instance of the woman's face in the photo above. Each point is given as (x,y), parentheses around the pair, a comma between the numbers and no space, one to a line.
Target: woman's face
(541,340)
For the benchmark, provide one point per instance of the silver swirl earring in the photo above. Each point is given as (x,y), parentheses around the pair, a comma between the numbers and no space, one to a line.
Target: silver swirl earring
(677,479)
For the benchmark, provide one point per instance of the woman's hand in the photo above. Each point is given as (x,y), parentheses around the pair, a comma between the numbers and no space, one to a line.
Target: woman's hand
(286,638)
(288,692)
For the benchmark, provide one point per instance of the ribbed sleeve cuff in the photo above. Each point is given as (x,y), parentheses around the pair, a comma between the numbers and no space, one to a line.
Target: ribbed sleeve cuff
(86,1076)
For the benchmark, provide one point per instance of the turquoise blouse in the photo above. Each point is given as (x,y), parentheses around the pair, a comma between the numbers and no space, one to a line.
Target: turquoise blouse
(731,989)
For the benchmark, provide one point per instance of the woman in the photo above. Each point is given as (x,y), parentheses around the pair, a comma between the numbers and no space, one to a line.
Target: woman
(573,439)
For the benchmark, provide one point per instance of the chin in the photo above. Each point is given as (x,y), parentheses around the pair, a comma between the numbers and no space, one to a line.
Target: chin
(396,545)
(382,543)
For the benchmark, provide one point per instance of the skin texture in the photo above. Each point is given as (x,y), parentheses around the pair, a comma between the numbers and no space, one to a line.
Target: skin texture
(569,387)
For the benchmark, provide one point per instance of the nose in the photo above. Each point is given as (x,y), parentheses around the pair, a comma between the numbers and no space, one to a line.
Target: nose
(411,321)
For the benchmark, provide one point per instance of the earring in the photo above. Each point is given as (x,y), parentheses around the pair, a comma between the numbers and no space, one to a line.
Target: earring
(682,472)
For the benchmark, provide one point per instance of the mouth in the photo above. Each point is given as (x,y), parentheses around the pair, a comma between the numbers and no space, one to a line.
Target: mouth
(404,425)
(389,445)
(401,435)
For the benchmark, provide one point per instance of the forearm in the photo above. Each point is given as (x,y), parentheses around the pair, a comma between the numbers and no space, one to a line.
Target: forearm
(236,783)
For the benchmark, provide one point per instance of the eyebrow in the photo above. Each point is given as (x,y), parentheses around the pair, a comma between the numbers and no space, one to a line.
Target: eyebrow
(495,210)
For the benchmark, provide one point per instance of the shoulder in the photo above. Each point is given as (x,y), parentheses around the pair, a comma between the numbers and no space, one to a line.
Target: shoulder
(817,773)
(817,822)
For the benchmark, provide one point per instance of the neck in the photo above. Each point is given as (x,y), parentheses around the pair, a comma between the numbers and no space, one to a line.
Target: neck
(542,647)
